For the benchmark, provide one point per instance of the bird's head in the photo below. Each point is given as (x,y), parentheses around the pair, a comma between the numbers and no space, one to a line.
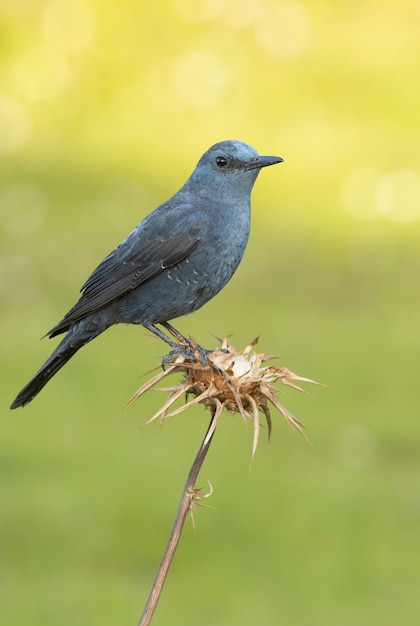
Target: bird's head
(229,167)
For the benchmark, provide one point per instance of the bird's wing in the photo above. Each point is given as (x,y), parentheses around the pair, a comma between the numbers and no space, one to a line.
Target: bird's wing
(134,262)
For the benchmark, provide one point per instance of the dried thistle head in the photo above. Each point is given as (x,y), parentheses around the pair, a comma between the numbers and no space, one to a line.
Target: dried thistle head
(239,382)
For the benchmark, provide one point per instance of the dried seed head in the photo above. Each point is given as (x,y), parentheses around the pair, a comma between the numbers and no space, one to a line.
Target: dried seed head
(232,380)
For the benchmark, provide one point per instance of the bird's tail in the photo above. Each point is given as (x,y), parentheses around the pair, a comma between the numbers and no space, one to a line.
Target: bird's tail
(71,343)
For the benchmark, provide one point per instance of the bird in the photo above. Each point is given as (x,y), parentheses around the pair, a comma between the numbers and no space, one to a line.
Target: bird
(173,262)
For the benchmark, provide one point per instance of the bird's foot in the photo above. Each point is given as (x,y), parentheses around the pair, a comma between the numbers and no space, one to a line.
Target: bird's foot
(185,347)
(191,354)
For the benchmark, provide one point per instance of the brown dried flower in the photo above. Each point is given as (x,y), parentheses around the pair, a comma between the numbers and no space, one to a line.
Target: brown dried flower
(232,380)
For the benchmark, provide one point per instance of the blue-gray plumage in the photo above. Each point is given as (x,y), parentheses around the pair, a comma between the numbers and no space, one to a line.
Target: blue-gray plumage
(179,257)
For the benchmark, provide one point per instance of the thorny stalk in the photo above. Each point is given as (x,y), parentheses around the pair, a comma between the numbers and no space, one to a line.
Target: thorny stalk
(189,495)
(239,382)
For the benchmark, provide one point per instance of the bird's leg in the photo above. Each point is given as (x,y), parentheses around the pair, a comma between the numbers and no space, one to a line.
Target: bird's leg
(184,347)
(175,333)
(181,340)
(156,331)
(190,347)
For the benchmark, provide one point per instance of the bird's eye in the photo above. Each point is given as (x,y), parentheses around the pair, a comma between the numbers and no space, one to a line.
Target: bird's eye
(221,161)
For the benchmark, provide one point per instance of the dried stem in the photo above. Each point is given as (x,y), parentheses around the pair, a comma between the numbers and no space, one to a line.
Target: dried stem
(241,383)
(185,505)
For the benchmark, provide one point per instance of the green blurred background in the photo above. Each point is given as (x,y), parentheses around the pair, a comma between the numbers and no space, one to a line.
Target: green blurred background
(105,107)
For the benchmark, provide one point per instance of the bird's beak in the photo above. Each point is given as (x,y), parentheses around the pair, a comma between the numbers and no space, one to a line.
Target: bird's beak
(263,161)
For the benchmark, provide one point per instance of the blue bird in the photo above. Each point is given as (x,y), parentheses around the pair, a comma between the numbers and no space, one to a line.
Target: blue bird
(178,258)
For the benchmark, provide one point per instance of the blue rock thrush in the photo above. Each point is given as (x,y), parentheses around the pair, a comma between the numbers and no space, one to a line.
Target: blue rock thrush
(179,257)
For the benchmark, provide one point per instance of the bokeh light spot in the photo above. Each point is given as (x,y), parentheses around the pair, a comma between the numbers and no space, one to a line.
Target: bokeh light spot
(283,29)
(40,73)
(238,14)
(233,13)
(200,78)
(398,196)
(68,26)
(15,124)
(22,209)
(198,10)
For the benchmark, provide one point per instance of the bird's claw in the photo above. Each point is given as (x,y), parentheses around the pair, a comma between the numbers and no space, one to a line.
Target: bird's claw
(189,352)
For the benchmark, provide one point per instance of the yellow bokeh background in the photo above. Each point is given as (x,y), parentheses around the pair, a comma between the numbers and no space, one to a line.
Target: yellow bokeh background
(105,108)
